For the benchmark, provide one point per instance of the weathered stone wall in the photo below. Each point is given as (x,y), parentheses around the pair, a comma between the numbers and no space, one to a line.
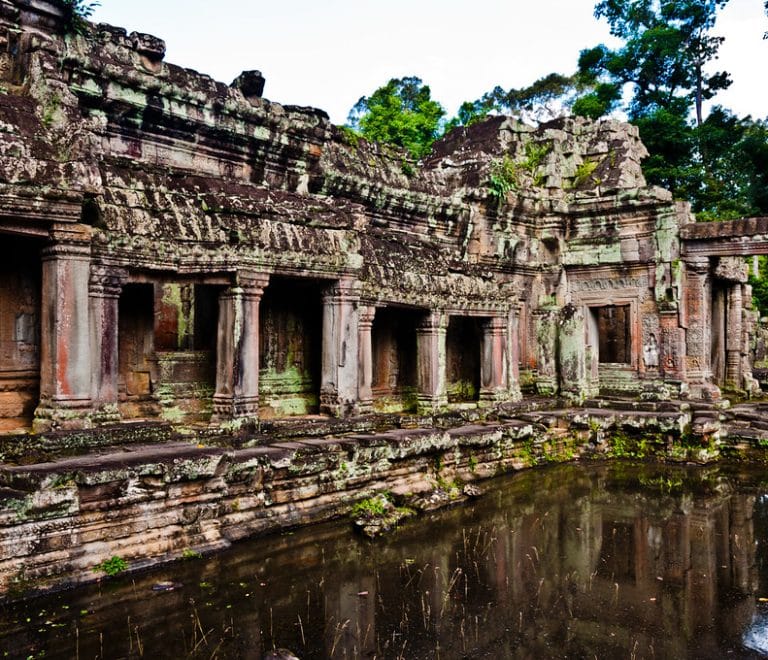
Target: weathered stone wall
(59,519)
(185,184)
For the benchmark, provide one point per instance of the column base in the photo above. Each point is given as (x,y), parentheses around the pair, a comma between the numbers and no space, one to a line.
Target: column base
(705,391)
(71,414)
(490,398)
(426,405)
(332,404)
(233,412)
(365,406)
(546,386)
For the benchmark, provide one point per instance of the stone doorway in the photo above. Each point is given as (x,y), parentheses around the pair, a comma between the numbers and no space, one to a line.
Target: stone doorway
(395,363)
(463,349)
(20,296)
(290,347)
(167,350)
(614,337)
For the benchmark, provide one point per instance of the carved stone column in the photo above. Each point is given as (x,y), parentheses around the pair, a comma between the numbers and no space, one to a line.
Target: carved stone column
(65,350)
(339,380)
(575,368)
(545,325)
(237,350)
(105,286)
(513,353)
(671,346)
(365,358)
(734,339)
(698,339)
(494,360)
(431,362)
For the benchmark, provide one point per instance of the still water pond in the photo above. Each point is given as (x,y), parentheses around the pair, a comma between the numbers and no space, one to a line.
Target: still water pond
(619,561)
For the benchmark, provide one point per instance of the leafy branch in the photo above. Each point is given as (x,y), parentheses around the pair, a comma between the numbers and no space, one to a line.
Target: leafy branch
(76,15)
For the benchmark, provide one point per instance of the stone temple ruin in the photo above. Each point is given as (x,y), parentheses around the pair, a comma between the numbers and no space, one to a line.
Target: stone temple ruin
(180,249)
(176,249)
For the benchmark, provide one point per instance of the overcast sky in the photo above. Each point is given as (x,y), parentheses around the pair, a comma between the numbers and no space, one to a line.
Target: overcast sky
(329,53)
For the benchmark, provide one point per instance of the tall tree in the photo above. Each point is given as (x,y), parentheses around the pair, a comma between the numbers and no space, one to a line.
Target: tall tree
(402,112)
(667,44)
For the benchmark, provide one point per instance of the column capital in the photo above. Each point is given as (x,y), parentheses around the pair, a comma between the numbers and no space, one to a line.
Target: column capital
(106,281)
(80,251)
(252,283)
(495,324)
(696,264)
(433,321)
(345,289)
(367,314)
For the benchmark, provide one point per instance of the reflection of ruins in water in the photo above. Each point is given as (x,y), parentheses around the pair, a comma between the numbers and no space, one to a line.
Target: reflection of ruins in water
(583,567)
(606,561)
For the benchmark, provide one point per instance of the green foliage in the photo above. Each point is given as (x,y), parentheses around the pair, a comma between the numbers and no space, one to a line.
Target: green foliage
(371,507)
(760,286)
(189,553)
(349,135)
(584,173)
(111,566)
(535,153)
(667,47)
(597,103)
(76,15)
(502,177)
(402,113)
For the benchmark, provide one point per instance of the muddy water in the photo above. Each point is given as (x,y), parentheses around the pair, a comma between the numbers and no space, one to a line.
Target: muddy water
(620,561)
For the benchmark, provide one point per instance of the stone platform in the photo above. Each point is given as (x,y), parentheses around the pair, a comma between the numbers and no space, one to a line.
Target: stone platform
(148,503)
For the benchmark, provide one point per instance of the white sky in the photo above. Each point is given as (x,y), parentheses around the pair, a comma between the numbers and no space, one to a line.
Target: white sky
(329,53)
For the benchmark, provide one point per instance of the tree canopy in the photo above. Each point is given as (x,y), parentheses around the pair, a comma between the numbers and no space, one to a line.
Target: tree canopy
(667,44)
(659,75)
(402,112)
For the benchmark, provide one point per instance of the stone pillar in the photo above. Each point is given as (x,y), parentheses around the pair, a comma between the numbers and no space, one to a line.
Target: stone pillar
(339,380)
(431,362)
(65,350)
(698,340)
(671,346)
(104,294)
(365,358)
(575,382)
(545,324)
(734,339)
(493,360)
(513,353)
(237,350)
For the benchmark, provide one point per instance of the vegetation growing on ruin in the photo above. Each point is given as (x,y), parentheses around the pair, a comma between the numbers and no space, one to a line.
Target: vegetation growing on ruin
(77,13)
(111,566)
(402,113)
(502,178)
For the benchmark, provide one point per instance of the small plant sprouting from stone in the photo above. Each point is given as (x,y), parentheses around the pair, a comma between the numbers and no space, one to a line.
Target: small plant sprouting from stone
(502,178)
(349,135)
(112,566)
(189,553)
(76,15)
(584,173)
(535,153)
(371,507)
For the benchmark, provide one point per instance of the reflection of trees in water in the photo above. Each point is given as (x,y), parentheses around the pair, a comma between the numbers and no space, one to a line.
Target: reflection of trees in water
(606,561)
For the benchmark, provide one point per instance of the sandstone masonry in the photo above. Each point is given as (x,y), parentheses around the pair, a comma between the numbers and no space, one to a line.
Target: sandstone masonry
(187,260)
